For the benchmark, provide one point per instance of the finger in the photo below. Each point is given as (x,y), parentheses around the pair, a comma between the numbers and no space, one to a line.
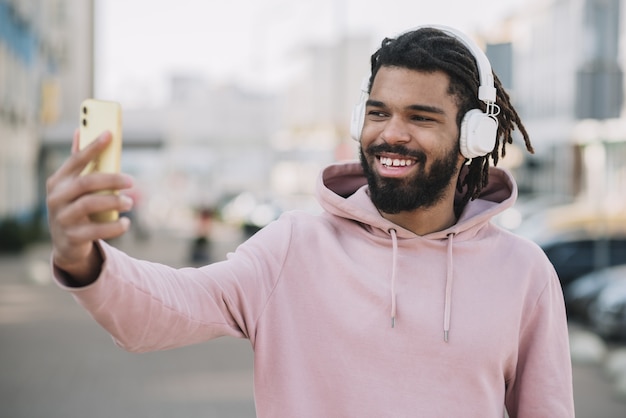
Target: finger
(77,162)
(63,192)
(78,212)
(72,245)
(101,182)
(72,229)
(88,232)
(76,141)
(81,157)
(96,203)
(113,229)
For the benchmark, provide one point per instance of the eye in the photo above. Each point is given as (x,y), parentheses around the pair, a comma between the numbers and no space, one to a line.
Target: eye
(376,113)
(421,118)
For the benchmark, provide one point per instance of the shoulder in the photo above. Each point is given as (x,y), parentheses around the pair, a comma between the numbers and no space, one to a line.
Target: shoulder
(298,230)
(520,253)
(291,226)
(510,240)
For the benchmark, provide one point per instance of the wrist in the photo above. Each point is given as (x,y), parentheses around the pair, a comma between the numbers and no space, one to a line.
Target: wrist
(81,273)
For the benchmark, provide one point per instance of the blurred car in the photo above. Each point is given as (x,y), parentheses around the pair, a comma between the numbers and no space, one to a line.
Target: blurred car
(250,212)
(607,312)
(573,220)
(580,254)
(578,238)
(583,291)
(526,207)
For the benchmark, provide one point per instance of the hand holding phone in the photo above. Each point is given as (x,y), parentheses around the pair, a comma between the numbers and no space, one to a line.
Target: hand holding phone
(96,117)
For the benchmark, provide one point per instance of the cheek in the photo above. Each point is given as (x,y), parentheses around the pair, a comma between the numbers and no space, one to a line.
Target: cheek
(446,148)
(369,132)
(368,137)
(449,140)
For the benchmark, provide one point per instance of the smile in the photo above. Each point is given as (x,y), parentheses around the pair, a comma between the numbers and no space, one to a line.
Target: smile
(396,162)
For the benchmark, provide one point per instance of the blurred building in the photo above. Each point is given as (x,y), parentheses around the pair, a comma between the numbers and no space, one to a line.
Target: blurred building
(561,60)
(46,67)
(566,62)
(224,141)
(318,112)
(215,144)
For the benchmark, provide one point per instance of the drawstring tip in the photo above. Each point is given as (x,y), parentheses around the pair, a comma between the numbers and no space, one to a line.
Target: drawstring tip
(445,335)
(393,322)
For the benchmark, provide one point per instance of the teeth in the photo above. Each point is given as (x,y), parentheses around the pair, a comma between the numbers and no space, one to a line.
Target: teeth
(395,162)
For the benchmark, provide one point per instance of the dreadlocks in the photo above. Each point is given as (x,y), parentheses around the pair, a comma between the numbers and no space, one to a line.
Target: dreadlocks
(431,50)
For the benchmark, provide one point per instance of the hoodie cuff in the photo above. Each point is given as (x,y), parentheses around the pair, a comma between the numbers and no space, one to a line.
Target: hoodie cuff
(66,281)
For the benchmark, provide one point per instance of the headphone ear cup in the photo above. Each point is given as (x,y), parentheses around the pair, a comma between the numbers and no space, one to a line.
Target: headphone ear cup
(478,134)
(357,120)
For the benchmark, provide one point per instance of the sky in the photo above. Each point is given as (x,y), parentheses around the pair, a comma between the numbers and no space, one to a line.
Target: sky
(140,44)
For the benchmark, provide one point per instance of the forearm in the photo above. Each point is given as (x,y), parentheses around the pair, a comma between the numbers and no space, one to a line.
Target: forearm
(148,306)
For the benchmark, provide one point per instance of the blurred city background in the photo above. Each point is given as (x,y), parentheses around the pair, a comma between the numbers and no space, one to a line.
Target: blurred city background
(230,111)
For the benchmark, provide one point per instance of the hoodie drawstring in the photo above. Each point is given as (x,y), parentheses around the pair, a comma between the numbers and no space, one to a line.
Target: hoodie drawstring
(448,297)
(449,278)
(394,262)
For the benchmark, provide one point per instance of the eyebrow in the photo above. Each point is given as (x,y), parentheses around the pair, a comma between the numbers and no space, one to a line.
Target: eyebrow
(417,107)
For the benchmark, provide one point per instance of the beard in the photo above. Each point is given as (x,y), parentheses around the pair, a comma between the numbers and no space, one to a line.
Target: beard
(422,190)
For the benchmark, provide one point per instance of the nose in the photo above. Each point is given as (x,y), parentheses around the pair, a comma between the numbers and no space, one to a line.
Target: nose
(395,131)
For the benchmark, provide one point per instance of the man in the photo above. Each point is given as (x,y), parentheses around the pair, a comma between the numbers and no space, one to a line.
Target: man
(400,300)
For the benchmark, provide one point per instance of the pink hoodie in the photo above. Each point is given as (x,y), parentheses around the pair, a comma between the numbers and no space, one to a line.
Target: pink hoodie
(351,315)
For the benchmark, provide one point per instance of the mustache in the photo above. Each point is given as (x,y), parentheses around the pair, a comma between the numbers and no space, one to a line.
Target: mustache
(402,150)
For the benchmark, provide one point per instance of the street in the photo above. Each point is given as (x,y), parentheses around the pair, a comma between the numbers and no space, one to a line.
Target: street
(57,363)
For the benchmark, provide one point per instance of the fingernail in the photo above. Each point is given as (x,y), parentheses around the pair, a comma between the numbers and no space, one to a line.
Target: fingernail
(104,135)
(126,201)
(125,222)
(128,180)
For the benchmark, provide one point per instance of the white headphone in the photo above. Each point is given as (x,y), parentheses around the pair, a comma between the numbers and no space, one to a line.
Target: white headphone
(479,129)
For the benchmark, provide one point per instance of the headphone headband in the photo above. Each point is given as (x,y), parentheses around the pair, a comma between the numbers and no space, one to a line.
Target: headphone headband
(487,90)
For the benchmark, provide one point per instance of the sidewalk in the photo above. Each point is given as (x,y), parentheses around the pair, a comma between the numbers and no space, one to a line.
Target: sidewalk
(599,375)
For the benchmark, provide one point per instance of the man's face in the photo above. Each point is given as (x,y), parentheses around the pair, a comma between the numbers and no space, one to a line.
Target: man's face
(409,143)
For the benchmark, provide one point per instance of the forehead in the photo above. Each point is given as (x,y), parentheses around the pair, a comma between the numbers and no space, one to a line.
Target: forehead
(403,85)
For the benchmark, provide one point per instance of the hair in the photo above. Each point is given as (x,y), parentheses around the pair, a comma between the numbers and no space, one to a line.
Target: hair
(431,50)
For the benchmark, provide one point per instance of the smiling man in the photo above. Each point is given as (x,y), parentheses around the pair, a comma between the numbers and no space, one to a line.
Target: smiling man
(401,299)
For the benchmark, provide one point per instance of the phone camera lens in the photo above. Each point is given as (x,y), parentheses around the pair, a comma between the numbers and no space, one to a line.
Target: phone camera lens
(84,122)
(84,110)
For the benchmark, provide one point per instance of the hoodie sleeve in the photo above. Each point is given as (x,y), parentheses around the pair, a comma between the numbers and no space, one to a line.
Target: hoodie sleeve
(148,306)
(542,386)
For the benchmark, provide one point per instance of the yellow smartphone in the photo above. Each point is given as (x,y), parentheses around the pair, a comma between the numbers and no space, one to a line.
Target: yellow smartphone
(97,116)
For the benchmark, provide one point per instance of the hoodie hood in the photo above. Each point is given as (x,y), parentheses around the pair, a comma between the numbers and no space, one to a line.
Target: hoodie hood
(342,191)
